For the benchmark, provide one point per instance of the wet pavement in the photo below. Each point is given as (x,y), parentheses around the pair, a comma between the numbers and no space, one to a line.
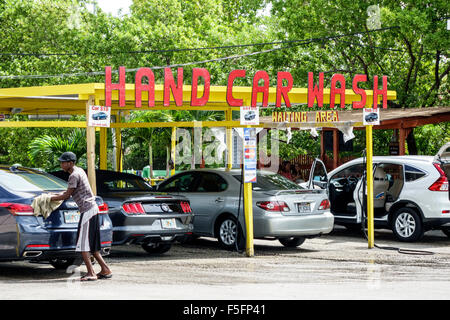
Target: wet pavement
(334,266)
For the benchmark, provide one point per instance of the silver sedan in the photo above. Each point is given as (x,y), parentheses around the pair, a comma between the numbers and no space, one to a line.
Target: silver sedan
(281,209)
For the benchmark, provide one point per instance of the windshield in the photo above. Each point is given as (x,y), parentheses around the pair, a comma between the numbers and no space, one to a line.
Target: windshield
(126,184)
(268,182)
(26,181)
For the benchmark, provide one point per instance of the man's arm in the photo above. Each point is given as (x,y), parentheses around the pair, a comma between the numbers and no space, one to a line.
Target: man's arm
(63,196)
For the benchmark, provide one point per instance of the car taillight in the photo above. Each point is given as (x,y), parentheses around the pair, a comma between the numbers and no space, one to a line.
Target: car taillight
(185,207)
(133,208)
(441,184)
(103,208)
(279,206)
(324,205)
(18,209)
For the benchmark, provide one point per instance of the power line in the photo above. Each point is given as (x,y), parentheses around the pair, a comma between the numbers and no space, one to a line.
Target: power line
(292,43)
(39,54)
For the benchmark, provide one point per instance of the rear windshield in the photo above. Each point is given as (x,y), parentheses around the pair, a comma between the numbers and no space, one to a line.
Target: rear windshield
(126,184)
(25,181)
(268,182)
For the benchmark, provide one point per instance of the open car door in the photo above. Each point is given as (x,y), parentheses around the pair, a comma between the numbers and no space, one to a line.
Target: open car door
(443,159)
(318,176)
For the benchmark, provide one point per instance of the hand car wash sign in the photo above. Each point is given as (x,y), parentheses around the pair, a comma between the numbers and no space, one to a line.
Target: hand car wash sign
(285,83)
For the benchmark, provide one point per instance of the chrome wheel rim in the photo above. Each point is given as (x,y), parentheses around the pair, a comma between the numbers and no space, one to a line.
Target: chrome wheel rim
(228,232)
(405,224)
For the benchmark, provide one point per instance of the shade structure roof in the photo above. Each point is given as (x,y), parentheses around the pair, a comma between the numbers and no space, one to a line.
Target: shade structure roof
(72,98)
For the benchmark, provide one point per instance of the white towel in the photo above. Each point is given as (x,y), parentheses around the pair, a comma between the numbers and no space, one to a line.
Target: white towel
(43,206)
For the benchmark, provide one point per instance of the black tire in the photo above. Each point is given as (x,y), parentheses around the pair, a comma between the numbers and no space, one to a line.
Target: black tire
(292,242)
(228,232)
(61,264)
(407,225)
(156,248)
(446,231)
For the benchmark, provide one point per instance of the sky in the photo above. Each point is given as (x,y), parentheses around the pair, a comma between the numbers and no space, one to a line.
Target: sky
(113,6)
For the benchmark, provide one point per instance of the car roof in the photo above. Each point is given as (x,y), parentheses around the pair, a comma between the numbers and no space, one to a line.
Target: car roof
(224,170)
(102,174)
(410,159)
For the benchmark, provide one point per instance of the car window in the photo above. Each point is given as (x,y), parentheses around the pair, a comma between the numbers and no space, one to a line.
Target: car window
(268,182)
(412,173)
(354,172)
(211,182)
(181,183)
(26,181)
(123,185)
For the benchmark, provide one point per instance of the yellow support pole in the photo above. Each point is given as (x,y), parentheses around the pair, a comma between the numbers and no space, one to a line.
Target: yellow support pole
(103,148)
(248,209)
(119,155)
(90,156)
(172,150)
(229,138)
(369,169)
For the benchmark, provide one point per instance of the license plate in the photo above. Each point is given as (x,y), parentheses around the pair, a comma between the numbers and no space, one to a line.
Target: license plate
(304,207)
(168,223)
(72,216)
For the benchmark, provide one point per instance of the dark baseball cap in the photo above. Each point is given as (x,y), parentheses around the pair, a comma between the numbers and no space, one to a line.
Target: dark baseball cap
(68,156)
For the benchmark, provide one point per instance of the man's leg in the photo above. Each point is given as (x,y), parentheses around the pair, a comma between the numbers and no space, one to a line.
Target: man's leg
(105,269)
(87,261)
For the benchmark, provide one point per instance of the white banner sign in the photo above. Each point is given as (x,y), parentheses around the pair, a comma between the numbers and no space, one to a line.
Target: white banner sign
(249,116)
(250,155)
(371,116)
(99,116)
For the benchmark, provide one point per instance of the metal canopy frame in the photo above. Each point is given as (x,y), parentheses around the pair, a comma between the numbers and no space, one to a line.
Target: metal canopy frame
(75,99)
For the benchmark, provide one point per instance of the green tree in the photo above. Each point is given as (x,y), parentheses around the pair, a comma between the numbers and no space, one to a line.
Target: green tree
(150,137)
(48,148)
(413,52)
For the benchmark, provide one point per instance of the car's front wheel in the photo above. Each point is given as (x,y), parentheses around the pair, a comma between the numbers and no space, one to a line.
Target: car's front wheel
(407,225)
(292,242)
(156,248)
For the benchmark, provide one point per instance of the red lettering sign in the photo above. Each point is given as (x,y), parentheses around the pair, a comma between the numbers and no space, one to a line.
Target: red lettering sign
(334,91)
(169,85)
(264,88)
(283,91)
(196,73)
(285,84)
(359,78)
(109,87)
(377,92)
(150,87)
(232,102)
(315,92)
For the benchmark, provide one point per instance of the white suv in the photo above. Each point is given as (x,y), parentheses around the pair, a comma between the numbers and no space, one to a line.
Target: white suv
(411,193)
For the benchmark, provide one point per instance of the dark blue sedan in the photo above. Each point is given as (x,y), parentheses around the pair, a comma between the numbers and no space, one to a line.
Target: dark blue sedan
(25,236)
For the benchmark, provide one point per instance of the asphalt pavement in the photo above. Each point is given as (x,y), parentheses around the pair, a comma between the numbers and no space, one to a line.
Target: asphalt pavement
(334,266)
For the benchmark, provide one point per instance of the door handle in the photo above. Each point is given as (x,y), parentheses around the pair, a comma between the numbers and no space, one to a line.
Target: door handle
(219,200)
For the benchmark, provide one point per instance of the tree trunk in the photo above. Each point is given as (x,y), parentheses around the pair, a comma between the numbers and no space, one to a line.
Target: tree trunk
(411,141)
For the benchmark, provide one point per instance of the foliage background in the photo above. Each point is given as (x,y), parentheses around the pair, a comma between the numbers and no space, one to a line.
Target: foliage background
(49,37)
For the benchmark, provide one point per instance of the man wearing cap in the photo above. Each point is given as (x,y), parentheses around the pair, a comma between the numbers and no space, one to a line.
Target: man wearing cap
(88,236)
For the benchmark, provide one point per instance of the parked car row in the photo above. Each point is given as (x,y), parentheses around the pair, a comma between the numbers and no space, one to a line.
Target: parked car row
(411,196)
